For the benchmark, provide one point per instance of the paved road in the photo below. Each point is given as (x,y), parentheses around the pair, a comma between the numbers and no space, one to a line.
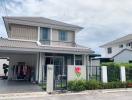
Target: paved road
(92,96)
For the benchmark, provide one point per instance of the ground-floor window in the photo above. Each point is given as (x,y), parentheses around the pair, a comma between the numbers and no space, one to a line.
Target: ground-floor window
(78,60)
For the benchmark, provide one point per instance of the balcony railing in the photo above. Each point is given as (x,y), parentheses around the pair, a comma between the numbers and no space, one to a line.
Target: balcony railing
(58,43)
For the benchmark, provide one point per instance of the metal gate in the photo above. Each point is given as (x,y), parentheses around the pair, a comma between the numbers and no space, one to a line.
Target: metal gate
(60,74)
(94,73)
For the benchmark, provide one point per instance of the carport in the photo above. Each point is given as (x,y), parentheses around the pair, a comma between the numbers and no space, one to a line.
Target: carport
(15,57)
(14,84)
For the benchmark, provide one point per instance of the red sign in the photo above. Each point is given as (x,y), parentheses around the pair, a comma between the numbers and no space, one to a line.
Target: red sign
(78,71)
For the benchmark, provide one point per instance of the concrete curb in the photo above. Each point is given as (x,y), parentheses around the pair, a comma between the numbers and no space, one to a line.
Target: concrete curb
(42,94)
(22,95)
(117,90)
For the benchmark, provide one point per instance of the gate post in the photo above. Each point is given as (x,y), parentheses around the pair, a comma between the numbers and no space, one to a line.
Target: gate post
(50,79)
(123,74)
(104,74)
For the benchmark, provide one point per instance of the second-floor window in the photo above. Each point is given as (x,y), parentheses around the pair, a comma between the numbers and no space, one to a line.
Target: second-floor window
(44,34)
(121,46)
(109,50)
(62,35)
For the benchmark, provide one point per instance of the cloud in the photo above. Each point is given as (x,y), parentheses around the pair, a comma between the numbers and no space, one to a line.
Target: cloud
(103,20)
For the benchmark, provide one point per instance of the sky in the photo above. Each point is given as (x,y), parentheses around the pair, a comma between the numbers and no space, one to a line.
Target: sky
(103,20)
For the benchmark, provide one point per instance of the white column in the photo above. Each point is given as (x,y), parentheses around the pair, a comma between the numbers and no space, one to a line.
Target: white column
(37,67)
(88,66)
(38,42)
(85,63)
(50,78)
(123,73)
(40,67)
(104,74)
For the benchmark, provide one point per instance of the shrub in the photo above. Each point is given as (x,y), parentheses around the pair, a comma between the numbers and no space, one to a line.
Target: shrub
(80,85)
(111,85)
(93,84)
(77,85)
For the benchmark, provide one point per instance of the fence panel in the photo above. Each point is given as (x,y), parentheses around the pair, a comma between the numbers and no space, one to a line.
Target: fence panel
(129,74)
(94,73)
(113,73)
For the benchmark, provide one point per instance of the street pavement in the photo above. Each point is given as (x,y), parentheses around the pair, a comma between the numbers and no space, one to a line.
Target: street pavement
(74,96)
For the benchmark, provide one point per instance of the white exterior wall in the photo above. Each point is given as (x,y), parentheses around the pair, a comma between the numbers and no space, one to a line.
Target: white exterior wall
(115,49)
(72,75)
(123,57)
(41,66)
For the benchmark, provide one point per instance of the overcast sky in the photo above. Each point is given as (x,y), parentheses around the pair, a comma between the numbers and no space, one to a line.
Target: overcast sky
(103,20)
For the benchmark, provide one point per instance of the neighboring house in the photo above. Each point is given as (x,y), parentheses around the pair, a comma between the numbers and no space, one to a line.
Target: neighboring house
(120,50)
(37,42)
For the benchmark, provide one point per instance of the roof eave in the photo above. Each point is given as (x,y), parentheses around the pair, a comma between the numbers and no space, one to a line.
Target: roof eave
(8,20)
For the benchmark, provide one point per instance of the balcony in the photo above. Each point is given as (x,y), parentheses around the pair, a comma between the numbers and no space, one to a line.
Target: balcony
(58,43)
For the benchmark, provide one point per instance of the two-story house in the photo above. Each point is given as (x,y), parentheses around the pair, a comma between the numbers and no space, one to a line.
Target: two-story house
(120,50)
(35,42)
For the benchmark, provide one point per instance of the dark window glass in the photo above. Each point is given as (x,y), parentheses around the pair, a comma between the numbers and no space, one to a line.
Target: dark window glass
(109,50)
(44,33)
(63,36)
(121,46)
(78,60)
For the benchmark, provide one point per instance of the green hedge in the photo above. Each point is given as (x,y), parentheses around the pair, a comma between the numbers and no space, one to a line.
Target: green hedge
(113,64)
(80,85)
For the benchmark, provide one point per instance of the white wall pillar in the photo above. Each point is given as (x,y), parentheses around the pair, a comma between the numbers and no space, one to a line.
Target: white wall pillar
(104,74)
(40,68)
(88,66)
(37,67)
(85,64)
(50,78)
(123,73)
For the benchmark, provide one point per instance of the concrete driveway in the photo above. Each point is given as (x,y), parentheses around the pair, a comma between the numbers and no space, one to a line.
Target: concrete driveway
(17,87)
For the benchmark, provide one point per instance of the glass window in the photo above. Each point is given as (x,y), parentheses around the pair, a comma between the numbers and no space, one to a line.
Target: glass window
(44,33)
(128,44)
(109,50)
(121,46)
(63,36)
(78,60)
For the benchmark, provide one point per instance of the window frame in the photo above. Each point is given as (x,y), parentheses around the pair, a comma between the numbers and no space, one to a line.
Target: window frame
(63,35)
(42,37)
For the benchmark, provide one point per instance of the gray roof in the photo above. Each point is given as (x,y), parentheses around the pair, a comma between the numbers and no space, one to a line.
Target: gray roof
(40,21)
(17,45)
(122,39)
